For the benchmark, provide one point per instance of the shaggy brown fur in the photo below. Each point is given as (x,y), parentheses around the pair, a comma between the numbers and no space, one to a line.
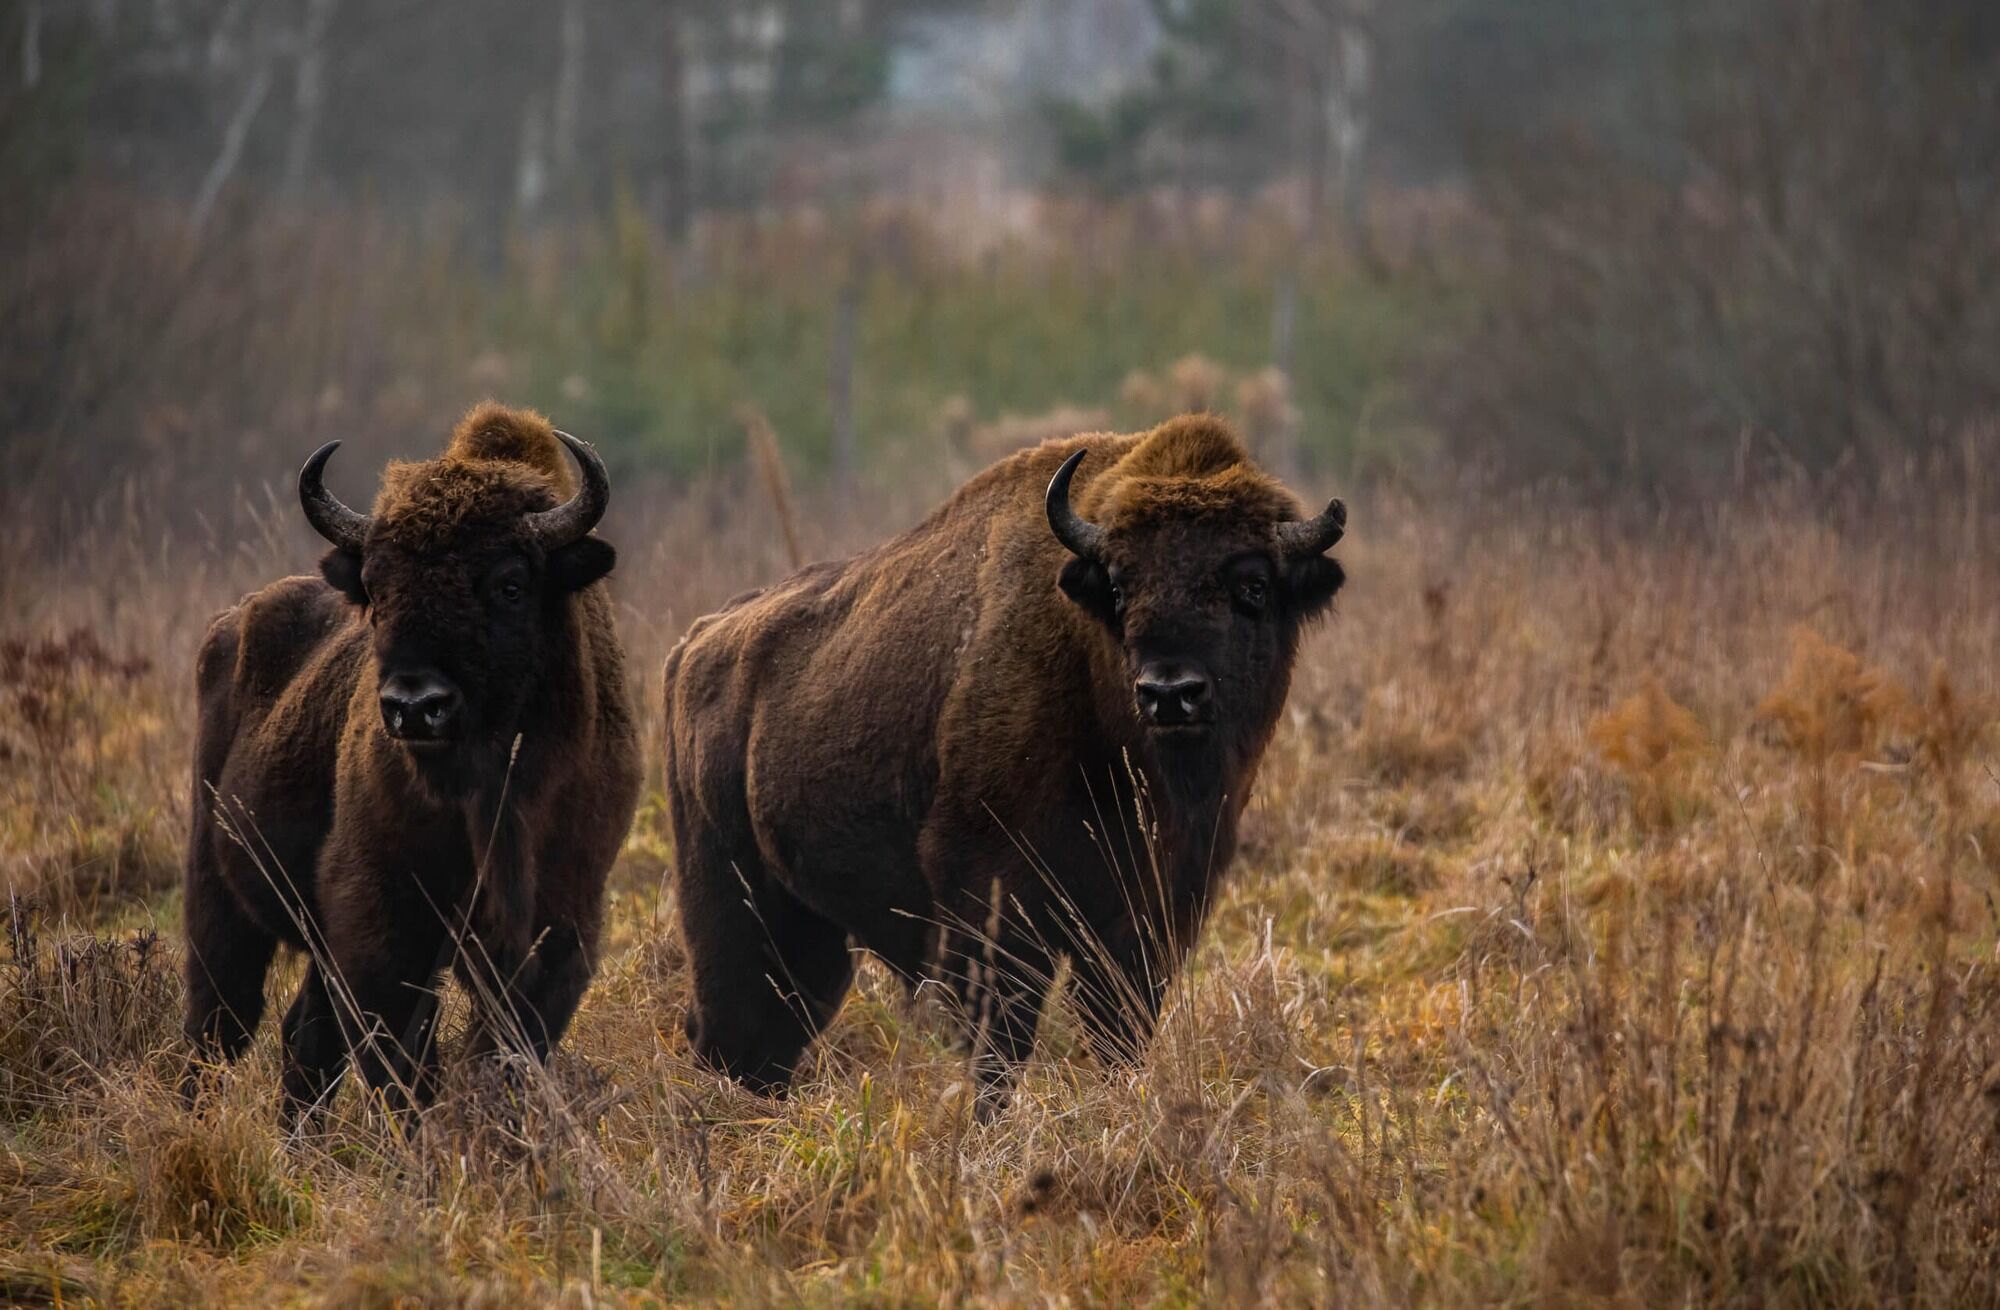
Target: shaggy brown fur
(314,827)
(933,750)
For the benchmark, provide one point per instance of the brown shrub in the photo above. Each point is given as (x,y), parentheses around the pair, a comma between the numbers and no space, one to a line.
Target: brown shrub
(76,1013)
(1652,740)
(1831,709)
(1830,706)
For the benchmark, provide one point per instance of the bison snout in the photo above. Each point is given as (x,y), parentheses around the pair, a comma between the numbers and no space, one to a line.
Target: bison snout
(1173,697)
(421,708)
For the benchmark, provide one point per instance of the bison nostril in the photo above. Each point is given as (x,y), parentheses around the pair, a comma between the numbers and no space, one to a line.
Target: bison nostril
(1173,699)
(419,708)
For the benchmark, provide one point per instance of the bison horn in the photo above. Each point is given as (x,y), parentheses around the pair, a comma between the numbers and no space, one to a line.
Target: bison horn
(1084,538)
(569,521)
(1314,535)
(331,519)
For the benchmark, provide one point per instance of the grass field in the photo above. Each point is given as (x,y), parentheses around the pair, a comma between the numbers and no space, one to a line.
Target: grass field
(1615,925)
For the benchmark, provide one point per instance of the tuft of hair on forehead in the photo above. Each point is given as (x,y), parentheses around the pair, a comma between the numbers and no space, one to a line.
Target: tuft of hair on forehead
(1191,467)
(500,464)
(496,432)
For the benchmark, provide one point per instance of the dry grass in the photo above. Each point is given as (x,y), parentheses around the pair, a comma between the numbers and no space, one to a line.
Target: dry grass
(1597,940)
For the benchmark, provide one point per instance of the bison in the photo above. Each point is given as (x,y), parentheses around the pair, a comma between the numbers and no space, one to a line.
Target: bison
(427,755)
(1023,730)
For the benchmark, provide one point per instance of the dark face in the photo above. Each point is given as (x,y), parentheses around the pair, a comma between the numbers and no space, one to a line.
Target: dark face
(461,634)
(1207,621)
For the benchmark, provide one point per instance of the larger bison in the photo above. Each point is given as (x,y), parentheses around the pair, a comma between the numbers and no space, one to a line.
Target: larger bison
(427,753)
(1023,730)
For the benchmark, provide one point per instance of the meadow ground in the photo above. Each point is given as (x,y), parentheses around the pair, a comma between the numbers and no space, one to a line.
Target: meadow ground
(1615,924)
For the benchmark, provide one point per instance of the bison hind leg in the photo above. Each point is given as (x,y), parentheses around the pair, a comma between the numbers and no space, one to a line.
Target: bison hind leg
(769,974)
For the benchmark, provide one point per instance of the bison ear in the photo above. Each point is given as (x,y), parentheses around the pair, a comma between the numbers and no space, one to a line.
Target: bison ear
(342,568)
(1085,582)
(582,562)
(1310,584)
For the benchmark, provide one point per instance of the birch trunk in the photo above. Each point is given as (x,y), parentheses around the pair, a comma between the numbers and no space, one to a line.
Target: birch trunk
(31,45)
(308,95)
(233,137)
(1347,104)
(566,108)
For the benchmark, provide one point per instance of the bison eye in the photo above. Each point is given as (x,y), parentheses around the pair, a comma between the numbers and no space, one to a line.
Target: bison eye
(1251,594)
(511,591)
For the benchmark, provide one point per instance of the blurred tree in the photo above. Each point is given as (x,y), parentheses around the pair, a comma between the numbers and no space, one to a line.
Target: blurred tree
(512,109)
(1775,224)
(1242,91)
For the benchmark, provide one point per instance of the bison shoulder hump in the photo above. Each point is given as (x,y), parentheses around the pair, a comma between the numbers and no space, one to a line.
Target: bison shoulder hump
(699,664)
(216,660)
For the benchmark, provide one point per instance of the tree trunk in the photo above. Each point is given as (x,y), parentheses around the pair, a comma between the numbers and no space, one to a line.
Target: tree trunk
(1348,94)
(31,45)
(531,160)
(233,137)
(308,95)
(566,108)
(676,181)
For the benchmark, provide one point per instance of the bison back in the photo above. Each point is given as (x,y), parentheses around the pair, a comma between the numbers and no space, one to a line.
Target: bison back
(813,727)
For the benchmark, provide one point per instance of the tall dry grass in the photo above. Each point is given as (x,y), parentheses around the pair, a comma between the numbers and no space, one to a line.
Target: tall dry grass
(1592,943)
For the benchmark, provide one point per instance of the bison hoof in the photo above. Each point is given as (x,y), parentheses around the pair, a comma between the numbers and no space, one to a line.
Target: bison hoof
(758,1070)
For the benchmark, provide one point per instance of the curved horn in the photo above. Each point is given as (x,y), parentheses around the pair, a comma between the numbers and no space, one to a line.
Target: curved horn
(1315,534)
(1084,538)
(569,521)
(331,519)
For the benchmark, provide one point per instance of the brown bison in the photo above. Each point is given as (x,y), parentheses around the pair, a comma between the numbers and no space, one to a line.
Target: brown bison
(432,745)
(1021,731)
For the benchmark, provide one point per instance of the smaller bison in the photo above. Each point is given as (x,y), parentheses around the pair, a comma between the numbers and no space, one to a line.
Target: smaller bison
(1020,732)
(427,755)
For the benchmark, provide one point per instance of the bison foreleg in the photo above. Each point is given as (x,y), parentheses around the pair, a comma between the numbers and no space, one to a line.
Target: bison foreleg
(553,988)
(383,989)
(502,978)
(496,960)
(396,1046)
(1119,1004)
(1119,977)
(227,958)
(315,1050)
(1001,977)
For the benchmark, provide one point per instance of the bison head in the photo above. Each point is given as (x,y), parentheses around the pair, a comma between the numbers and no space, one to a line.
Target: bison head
(1202,573)
(464,571)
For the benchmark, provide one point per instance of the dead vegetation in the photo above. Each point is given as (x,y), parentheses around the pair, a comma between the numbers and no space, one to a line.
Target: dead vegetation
(1616,925)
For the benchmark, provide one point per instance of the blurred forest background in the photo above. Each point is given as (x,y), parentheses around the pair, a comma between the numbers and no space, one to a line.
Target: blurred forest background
(1616,917)
(1645,243)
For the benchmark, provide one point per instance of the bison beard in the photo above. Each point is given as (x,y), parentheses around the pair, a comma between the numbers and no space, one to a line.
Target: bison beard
(1022,731)
(427,756)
